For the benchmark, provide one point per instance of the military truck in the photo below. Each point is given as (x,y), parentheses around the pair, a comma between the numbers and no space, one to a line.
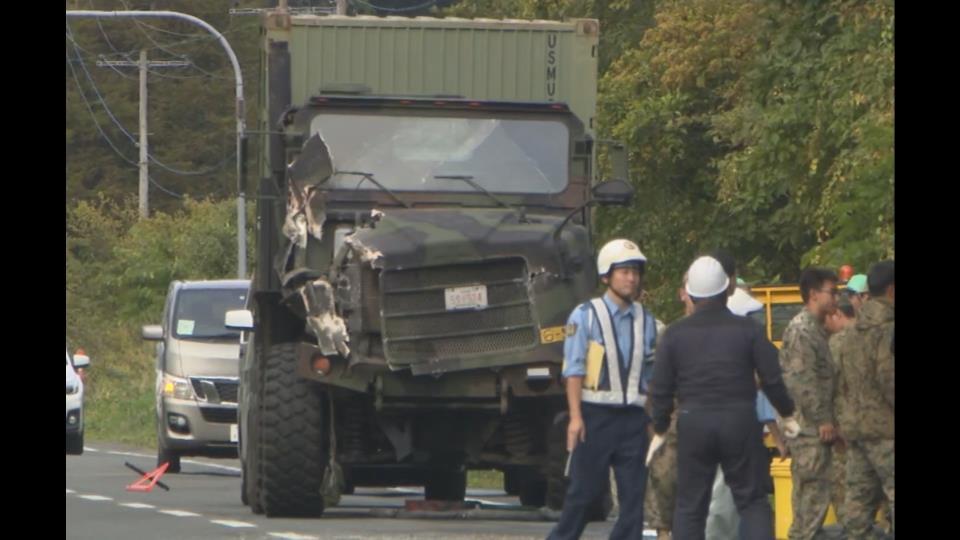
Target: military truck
(424,230)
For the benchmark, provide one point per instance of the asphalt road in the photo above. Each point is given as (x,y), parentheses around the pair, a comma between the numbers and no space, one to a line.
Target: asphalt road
(204,502)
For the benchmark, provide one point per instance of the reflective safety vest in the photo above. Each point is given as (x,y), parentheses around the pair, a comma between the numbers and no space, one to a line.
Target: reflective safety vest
(620,385)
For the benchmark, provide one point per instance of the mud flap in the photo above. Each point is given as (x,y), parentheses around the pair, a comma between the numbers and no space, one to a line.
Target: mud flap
(333,483)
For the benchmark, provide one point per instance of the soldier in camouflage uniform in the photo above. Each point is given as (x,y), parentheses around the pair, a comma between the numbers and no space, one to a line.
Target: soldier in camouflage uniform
(839,326)
(867,383)
(661,494)
(809,374)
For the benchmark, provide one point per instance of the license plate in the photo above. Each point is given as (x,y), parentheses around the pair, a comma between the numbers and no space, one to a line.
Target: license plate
(473,297)
(234,433)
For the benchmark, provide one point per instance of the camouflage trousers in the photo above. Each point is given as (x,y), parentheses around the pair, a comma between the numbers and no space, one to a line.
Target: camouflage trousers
(812,478)
(661,494)
(838,489)
(869,477)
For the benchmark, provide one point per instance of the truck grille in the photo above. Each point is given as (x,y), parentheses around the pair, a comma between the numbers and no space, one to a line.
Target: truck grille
(417,326)
(218,415)
(226,389)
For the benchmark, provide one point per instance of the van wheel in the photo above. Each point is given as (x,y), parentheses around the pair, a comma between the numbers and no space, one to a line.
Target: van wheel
(75,444)
(165,455)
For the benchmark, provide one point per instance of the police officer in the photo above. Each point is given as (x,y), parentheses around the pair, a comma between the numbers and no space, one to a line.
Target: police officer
(607,357)
(708,361)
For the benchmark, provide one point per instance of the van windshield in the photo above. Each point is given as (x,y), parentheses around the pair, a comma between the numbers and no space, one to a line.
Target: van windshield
(199,313)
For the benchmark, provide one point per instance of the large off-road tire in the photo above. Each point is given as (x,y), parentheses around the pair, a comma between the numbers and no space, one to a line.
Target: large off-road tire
(293,446)
(249,417)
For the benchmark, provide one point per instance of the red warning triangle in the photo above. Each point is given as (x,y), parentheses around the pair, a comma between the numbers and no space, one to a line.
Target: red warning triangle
(149,479)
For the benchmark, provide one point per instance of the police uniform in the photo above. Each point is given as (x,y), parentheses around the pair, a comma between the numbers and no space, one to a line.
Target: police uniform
(613,414)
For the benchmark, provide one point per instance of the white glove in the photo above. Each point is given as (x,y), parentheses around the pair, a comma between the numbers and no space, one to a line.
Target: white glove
(655,445)
(790,427)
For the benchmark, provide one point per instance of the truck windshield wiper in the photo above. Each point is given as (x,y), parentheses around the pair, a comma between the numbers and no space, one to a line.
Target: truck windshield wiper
(369,176)
(469,180)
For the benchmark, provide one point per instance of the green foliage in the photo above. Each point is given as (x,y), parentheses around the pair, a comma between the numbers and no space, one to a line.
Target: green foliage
(118,272)
(765,128)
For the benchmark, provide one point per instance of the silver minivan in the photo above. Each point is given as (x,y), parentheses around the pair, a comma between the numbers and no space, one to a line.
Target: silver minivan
(197,370)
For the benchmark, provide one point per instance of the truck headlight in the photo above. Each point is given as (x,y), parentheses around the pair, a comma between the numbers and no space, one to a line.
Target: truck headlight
(178,388)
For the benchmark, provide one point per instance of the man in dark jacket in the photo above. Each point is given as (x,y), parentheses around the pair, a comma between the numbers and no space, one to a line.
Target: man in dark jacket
(708,361)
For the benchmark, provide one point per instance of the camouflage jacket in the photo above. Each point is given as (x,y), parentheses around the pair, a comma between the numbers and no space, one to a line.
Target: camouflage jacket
(808,372)
(867,372)
(841,409)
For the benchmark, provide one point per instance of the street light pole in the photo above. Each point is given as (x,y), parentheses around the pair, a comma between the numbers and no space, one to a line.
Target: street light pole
(240,110)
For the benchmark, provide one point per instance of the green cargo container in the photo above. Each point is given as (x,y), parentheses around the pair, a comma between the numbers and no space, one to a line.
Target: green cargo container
(484,59)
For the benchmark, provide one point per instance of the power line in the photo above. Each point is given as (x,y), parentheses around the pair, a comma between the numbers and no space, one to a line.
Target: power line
(96,123)
(178,77)
(180,172)
(117,122)
(163,189)
(178,34)
(309,10)
(140,26)
(106,37)
(96,91)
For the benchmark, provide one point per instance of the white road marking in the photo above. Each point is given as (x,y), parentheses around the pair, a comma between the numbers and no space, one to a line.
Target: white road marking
(90,449)
(293,536)
(134,454)
(137,505)
(71,491)
(96,498)
(178,513)
(234,524)
(214,465)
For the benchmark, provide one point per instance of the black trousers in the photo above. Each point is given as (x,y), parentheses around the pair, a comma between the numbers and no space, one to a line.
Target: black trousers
(617,437)
(733,438)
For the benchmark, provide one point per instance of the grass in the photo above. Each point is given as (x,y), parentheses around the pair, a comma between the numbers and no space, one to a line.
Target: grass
(119,389)
(485,479)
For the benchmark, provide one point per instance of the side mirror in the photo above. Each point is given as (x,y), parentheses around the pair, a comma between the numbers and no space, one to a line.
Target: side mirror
(81,361)
(613,193)
(617,153)
(152,332)
(238,319)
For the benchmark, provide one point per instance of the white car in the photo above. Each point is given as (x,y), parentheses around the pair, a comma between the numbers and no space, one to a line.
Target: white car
(75,402)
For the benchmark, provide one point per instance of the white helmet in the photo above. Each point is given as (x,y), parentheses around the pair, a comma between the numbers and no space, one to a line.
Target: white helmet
(616,252)
(706,278)
(741,303)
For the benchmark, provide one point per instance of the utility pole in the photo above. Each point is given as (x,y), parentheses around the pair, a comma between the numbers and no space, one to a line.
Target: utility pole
(143,65)
(342,7)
